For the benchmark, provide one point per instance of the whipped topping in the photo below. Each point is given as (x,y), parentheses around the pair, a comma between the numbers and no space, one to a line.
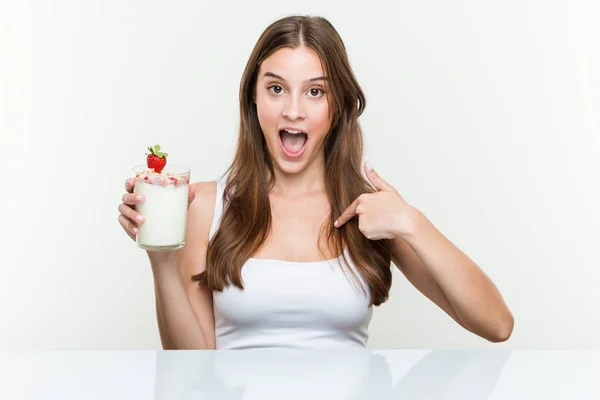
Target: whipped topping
(163,178)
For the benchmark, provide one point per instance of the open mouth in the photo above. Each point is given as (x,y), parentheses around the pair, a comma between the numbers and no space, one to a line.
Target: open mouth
(293,142)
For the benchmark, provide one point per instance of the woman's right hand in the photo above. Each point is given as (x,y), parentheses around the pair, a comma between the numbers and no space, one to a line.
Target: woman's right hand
(129,218)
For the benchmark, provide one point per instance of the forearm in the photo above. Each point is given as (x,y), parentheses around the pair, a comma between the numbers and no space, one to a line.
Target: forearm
(178,325)
(474,297)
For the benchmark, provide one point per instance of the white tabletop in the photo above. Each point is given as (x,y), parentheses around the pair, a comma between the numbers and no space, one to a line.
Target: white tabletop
(295,374)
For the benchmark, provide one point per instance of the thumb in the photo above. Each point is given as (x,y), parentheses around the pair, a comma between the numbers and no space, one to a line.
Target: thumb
(376,180)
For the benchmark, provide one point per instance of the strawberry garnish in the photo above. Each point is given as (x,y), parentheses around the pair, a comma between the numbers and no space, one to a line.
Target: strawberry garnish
(156,159)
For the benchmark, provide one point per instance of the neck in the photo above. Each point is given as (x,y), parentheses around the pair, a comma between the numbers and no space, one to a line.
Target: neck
(311,179)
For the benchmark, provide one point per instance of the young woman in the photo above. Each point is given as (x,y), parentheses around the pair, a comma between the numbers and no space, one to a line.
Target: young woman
(293,246)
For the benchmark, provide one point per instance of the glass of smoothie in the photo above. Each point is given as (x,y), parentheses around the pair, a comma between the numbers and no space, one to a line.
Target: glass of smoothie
(165,188)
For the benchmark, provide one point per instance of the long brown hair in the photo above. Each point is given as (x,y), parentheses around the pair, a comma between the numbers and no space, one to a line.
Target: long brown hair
(246,220)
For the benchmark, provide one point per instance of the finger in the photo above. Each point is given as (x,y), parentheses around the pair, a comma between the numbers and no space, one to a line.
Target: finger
(129,183)
(131,214)
(376,180)
(128,226)
(347,214)
(133,198)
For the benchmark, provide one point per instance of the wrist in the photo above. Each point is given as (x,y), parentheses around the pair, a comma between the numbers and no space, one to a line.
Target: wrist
(410,223)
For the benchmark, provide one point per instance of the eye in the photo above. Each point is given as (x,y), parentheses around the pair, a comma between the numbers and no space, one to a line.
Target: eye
(275,89)
(316,92)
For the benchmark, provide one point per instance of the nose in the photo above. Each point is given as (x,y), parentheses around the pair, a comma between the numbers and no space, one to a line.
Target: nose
(293,108)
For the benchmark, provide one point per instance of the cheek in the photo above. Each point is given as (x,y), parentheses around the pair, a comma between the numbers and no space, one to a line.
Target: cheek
(320,119)
(267,112)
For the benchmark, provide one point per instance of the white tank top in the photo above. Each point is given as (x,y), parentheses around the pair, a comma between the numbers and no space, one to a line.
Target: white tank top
(306,305)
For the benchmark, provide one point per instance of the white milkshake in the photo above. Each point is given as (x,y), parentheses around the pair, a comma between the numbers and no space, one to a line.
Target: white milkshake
(165,207)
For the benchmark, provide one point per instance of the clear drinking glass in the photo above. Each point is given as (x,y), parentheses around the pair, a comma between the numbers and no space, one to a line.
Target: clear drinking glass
(165,206)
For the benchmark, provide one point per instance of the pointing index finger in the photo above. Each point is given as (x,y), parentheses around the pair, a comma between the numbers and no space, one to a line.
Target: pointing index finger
(347,214)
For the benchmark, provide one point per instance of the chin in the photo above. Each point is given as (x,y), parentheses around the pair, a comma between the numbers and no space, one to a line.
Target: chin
(290,168)
(286,165)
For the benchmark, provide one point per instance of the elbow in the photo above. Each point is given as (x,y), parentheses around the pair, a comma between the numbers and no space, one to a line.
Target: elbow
(209,343)
(502,330)
(192,347)
(209,346)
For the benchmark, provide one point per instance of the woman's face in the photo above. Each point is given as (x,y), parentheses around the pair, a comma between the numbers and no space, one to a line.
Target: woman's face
(292,106)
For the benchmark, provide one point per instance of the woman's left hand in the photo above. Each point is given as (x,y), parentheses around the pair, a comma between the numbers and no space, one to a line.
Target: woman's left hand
(381,215)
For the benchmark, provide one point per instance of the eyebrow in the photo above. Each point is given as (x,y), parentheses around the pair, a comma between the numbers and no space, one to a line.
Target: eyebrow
(272,75)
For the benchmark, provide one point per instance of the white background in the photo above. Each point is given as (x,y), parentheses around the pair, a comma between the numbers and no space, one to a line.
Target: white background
(484,115)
